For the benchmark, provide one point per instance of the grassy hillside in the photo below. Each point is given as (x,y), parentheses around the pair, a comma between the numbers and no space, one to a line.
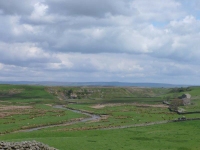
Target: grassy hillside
(108,92)
(24,93)
(177,92)
(23,107)
(137,111)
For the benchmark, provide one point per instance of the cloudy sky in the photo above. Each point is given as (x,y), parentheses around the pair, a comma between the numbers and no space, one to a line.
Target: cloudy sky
(100,40)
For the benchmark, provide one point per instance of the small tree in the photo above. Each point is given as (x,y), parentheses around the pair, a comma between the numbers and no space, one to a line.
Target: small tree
(70,92)
(175,104)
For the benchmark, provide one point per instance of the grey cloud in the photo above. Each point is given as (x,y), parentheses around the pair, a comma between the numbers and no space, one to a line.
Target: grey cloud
(94,8)
(15,7)
(123,33)
(78,33)
(5,30)
(25,55)
(103,67)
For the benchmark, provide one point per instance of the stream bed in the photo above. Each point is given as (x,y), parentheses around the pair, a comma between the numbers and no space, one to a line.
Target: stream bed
(91,117)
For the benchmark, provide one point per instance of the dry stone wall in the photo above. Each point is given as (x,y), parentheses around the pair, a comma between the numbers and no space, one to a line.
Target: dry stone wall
(26,145)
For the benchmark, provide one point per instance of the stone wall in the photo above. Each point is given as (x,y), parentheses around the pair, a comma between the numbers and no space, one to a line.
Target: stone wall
(26,145)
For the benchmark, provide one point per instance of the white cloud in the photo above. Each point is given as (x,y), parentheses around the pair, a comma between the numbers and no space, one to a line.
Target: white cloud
(127,40)
(99,62)
(188,25)
(158,10)
(23,54)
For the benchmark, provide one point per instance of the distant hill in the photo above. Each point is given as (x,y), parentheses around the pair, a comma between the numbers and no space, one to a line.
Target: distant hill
(50,83)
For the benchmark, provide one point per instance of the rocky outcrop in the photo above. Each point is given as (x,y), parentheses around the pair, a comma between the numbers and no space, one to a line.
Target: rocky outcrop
(26,145)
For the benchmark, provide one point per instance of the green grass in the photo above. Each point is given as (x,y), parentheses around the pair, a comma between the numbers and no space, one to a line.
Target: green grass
(173,136)
(38,115)
(110,92)
(92,135)
(41,115)
(128,114)
(34,94)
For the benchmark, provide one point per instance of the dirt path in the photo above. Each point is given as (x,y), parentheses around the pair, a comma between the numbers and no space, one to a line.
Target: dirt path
(139,125)
(93,117)
(99,106)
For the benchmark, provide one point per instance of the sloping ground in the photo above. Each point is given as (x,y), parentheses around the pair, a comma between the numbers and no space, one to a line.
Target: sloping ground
(143,132)
(10,92)
(105,92)
(175,93)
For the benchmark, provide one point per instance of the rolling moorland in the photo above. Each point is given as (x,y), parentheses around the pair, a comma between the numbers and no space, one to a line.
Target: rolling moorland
(91,117)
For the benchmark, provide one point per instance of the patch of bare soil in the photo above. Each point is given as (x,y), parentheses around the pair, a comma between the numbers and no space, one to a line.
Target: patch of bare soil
(49,105)
(60,95)
(3,107)
(12,110)
(100,106)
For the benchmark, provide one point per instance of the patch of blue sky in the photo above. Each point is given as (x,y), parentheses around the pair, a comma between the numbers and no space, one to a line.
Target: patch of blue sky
(191,7)
(197,15)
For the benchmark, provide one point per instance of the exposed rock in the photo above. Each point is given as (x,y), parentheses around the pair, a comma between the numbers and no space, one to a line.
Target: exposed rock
(186,98)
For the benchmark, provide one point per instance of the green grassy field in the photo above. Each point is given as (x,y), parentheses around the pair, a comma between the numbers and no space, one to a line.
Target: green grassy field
(172,136)
(34,110)
(24,107)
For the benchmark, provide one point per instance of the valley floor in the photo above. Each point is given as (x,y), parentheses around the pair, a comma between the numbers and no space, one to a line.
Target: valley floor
(109,118)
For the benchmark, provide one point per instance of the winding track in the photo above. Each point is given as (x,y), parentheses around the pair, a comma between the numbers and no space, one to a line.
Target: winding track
(93,117)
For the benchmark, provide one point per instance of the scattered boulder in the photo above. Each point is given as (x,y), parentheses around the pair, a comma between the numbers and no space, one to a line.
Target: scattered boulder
(186,98)
(25,145)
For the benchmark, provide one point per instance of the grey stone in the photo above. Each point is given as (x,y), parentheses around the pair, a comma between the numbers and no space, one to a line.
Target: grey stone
(25,145)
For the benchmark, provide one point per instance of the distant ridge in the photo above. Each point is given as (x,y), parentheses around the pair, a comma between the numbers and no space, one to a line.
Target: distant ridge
(52,83)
